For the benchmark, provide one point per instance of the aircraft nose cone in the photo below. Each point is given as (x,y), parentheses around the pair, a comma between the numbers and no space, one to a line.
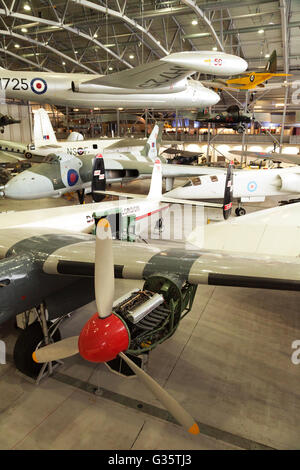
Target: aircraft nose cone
(212,97)
(239,65)
(28,185)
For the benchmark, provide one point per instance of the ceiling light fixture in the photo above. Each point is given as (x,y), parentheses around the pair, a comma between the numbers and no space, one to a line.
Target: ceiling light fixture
(27,7)
(261,31)
(194,22)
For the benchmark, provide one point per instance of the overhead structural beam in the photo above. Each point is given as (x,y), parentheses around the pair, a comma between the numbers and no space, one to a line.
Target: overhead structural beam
(122,17)
(251,29)
(23,59)
(200,14)
(65,27)
(5,32)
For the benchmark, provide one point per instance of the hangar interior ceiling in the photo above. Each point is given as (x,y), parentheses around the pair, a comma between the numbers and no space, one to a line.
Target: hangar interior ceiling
(103,37)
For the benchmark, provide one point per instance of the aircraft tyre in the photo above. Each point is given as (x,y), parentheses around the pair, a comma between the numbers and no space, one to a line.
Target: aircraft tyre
(240,211)
(28,155)
(26,344)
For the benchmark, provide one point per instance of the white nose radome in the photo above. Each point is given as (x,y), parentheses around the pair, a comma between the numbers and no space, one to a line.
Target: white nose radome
(29,185)
(212,97)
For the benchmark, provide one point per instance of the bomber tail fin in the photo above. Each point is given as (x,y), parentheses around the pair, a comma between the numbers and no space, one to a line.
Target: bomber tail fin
(271,66)
(153,143)
(155,191)
(43,130)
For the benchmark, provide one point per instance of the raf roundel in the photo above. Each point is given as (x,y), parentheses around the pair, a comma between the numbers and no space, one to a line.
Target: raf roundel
(38,86)
(72,177)
(252,186)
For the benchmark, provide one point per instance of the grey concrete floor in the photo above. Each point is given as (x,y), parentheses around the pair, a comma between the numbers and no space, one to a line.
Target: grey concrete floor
(229,364)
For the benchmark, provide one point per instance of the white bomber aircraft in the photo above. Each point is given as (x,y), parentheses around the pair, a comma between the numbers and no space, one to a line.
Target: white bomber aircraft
(158,85)
(248,185)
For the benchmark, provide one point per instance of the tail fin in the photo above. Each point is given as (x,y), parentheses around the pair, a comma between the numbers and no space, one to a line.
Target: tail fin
(155,191)
(228,192)
(271,66)
(153,143)
(43,130)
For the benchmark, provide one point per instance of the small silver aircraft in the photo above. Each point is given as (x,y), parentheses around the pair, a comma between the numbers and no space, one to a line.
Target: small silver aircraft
(162,84)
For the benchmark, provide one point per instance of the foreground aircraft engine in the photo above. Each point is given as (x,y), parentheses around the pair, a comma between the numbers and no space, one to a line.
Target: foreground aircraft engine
(290,183)
(108,333)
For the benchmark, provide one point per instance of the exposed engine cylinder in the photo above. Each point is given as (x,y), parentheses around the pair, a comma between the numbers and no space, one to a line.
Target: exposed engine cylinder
(290,183)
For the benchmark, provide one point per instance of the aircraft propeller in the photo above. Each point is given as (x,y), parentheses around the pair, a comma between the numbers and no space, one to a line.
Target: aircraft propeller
(105,335)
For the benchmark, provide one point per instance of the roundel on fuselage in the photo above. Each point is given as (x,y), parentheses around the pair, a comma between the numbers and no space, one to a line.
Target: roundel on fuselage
(80,151)
(38,85)
(72,177)
(252,186)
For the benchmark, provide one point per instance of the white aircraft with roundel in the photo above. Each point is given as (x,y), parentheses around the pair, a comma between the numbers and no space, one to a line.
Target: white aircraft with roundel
(162,84)
(248,185)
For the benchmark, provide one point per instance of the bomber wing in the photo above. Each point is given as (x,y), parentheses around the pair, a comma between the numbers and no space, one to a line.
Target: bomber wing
(277,157)
(171,69)
(139,261)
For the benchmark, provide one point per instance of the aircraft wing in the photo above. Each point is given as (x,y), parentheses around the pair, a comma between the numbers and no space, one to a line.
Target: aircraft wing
(8,157)
(155,74)
(285,158)
(139,261)
(183,153)
(219,85)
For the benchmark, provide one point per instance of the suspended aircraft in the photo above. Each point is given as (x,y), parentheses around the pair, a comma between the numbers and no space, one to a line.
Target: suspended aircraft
(251,80)
(232,118)
(6,120)
(157,85)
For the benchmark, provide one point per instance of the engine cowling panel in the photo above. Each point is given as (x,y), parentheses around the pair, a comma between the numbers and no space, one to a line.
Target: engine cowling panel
(290,183)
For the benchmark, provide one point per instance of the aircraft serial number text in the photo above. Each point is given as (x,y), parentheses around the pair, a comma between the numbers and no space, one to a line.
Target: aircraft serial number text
(16,83)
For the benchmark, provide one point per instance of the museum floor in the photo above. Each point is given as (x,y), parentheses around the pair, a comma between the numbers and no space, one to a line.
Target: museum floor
(229,364)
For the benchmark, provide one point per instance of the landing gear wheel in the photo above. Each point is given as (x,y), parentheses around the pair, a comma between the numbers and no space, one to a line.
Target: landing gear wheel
(26,343)
(240,211)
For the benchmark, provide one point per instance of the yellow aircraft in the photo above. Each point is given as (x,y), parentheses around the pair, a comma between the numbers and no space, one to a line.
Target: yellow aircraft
(250,80)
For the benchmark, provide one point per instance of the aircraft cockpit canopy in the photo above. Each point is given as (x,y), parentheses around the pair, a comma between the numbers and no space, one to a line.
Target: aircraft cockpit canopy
(197,181)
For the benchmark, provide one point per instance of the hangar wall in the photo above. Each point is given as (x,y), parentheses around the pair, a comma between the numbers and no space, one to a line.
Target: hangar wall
(17,132)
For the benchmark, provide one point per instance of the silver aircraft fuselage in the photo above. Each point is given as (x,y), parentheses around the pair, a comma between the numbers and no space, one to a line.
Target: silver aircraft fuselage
(56,88)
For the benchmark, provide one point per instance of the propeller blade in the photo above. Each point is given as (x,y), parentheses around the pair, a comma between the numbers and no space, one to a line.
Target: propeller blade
(55,351)
(174,408)
(104,269)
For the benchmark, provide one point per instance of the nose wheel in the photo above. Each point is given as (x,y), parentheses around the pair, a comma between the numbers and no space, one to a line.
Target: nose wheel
(240,211)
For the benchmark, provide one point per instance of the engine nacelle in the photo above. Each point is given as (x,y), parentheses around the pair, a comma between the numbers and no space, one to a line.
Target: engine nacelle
(290,183)
(97,88)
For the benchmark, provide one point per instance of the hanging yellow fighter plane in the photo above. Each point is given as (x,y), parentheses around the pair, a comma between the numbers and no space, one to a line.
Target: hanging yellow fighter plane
(250,80)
